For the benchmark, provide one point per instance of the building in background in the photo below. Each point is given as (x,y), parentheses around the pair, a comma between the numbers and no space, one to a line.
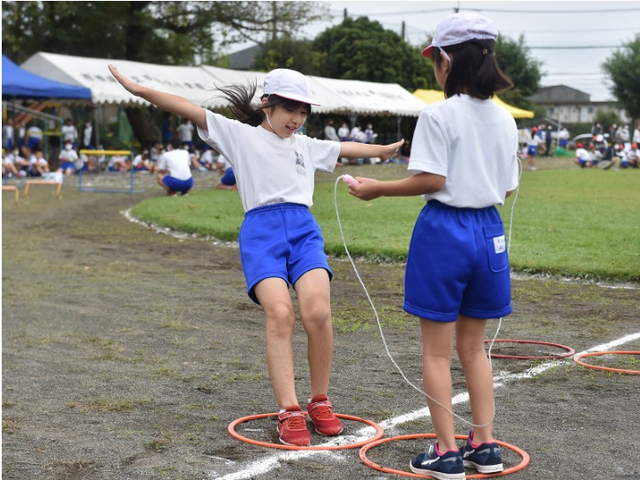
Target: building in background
(569,106)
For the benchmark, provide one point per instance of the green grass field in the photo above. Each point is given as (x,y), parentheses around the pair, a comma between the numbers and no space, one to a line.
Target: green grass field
(569,222)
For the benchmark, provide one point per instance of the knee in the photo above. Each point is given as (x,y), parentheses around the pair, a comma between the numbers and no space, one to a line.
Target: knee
(317,316)
(280,319)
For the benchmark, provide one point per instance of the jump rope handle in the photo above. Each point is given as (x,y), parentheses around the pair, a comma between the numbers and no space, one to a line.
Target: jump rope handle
(349,180)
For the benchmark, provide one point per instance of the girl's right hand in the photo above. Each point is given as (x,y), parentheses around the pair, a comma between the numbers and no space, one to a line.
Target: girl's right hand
(129,85)
(365,188)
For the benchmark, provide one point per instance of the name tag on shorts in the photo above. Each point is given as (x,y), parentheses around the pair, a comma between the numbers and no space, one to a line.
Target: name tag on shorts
(499,244)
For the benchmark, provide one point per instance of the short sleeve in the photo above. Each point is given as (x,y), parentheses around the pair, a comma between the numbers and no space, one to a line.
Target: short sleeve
(324,154)
(429,149)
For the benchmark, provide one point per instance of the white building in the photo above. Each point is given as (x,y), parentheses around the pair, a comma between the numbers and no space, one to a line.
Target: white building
(569,106)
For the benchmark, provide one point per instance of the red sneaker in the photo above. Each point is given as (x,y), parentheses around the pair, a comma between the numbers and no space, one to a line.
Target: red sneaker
(292,428)
(321,414)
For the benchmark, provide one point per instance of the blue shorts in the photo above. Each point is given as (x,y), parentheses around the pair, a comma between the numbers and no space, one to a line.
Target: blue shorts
(229,178)
(66,165)
(282,241)
(175,185)
(532,150)
(457,264)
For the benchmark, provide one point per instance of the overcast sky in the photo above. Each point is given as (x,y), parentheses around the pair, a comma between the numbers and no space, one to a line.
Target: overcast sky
(593,30)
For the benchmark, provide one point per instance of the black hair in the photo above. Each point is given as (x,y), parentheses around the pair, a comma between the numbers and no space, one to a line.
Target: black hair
(473,70)
(175,142)
(240,97)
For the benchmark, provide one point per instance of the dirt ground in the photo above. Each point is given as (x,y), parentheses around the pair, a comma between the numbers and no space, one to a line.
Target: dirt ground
(127,353)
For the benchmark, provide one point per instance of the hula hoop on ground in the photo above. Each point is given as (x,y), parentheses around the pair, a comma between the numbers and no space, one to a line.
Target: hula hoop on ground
(232,431)
(570,351)
(578,358)
(507,471)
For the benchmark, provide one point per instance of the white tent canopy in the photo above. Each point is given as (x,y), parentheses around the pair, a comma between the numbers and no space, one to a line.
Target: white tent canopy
(198,84)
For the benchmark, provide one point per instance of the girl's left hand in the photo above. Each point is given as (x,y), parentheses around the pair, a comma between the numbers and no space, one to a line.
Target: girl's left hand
(391,150)
(365,189)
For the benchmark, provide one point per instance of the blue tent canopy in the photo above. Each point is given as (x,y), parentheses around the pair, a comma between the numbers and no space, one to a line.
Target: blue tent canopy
(17,82)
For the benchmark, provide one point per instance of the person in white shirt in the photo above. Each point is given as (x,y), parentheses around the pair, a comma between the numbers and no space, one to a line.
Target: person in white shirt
(69,133)
(464,163)
(280,240)
(68,158)
(343,132)
(174,167)
(8,140)
(330,132)
(583,158)
(185,131)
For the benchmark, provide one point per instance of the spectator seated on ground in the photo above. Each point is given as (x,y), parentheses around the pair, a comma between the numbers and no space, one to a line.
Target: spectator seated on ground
(9,167)
(228,178)
(207,159)
(141,162)
(38,164)
(118,163)
(632,157)
(583,158)
(68,158)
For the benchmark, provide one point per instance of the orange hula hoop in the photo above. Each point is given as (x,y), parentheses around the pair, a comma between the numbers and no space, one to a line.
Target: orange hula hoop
(363,456)
(232,431)
(578,358)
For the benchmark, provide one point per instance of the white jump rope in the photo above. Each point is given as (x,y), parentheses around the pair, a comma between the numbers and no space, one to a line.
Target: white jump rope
(348,179)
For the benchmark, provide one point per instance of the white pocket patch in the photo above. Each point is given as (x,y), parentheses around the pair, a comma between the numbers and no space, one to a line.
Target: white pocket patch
(499,244)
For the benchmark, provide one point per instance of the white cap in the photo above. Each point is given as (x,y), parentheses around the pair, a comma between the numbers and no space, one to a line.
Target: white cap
(289,84)
(461,27)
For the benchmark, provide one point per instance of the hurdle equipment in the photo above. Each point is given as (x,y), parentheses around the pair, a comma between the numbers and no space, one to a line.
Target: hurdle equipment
(84,188)
(12,188)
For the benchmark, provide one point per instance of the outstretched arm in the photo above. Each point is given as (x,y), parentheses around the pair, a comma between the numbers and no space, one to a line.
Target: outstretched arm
(165,101)
(366,150)
(420,184)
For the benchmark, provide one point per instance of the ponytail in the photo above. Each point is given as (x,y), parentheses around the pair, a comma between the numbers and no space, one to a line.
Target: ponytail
(241,96)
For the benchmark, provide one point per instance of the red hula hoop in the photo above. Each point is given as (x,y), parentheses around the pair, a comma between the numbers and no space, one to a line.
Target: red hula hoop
(363,456)
(232,431)
(570,351)
(577,359)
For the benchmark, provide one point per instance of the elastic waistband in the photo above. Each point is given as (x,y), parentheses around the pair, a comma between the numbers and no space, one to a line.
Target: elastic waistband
(444,206)
(275,207)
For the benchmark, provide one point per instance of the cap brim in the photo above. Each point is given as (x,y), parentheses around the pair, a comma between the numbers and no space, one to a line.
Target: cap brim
(298,98)
(427,51)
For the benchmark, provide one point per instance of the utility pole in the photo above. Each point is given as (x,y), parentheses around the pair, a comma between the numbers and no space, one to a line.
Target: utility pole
(274,21)
(345,14)
(402,30)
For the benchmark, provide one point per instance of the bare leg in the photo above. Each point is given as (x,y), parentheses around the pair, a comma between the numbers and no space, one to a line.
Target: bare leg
(470,334)
(273,294)
(315,309)
(161,182)
(437,352)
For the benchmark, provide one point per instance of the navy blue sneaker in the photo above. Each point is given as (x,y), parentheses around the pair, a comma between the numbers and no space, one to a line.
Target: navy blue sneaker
(446,466)
(485,458)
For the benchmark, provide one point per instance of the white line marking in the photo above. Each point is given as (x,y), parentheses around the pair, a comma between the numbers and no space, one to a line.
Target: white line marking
(274,461)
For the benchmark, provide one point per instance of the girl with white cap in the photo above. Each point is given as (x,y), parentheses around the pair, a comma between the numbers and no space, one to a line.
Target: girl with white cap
(280,240)
(463,161)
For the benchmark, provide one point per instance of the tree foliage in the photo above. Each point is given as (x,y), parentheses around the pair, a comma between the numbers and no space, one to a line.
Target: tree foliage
(362,49)
(173,33)
(516,62)
(623,68)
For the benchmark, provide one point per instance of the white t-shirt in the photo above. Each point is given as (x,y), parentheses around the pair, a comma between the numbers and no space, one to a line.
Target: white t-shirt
(68,155)
(69,133)
(583,154)
(177,162)
(269,169)
(186,131)
(471,142)
(207,157)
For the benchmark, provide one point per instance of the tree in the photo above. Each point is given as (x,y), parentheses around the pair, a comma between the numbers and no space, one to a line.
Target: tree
(623,68)
(362,49)
(516,62)
(168,33)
